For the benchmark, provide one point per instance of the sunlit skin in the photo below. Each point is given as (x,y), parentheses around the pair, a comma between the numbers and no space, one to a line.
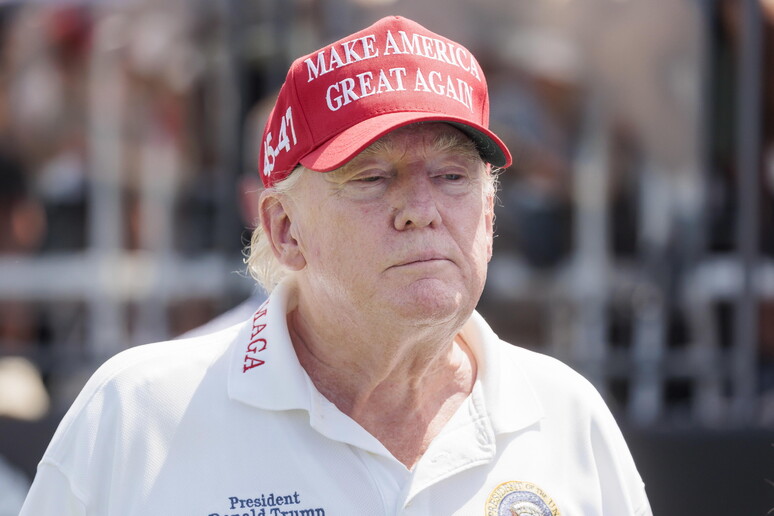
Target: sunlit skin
(390,255)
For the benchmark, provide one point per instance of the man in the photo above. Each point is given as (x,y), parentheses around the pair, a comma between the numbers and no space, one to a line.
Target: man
(366,384)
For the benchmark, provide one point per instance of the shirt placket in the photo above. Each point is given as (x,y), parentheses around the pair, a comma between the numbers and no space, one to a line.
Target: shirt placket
(466,443)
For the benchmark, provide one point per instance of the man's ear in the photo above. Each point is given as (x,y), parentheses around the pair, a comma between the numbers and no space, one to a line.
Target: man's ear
(277,227)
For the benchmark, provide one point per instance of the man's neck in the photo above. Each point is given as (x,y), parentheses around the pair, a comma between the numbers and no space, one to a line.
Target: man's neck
(401,390)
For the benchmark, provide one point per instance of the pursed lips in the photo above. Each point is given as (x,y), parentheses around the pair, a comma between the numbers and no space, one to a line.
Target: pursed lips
(421,258)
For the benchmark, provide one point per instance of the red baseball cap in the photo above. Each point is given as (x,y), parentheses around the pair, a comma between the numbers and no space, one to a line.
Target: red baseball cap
(339,100)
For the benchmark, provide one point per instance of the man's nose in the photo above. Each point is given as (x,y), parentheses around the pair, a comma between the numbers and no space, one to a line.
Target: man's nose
(415,203)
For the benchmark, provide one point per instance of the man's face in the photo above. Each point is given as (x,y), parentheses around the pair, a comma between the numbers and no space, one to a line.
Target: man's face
(404,230)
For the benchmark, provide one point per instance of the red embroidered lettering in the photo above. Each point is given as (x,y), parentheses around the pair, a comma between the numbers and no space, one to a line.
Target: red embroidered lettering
(256,345)
(251,362)
(257,329)
(253,348)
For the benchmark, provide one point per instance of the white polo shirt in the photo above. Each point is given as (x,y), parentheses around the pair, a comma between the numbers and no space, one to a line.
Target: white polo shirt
(229,424)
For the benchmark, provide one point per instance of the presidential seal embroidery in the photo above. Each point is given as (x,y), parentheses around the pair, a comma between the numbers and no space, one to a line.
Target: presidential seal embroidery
(520,499)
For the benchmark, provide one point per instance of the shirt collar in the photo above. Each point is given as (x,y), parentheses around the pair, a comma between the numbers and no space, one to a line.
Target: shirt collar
(265,372)
(509,399)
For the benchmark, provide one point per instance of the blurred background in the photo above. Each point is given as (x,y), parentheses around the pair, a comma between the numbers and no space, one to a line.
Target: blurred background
(635,230)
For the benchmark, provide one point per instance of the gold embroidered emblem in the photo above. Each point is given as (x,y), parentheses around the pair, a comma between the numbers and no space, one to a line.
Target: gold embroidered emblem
(520,499)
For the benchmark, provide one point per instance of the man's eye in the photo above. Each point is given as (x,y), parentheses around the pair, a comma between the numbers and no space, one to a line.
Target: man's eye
(451,177)
(369,179)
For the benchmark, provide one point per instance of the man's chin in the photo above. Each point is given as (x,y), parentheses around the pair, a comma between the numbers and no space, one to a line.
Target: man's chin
(434,301)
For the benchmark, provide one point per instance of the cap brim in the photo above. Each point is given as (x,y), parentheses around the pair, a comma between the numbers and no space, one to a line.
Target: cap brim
(340,149)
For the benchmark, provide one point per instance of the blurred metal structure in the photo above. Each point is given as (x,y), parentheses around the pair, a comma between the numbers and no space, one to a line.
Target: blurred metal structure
(112,282)
(744,359)
(707,373)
